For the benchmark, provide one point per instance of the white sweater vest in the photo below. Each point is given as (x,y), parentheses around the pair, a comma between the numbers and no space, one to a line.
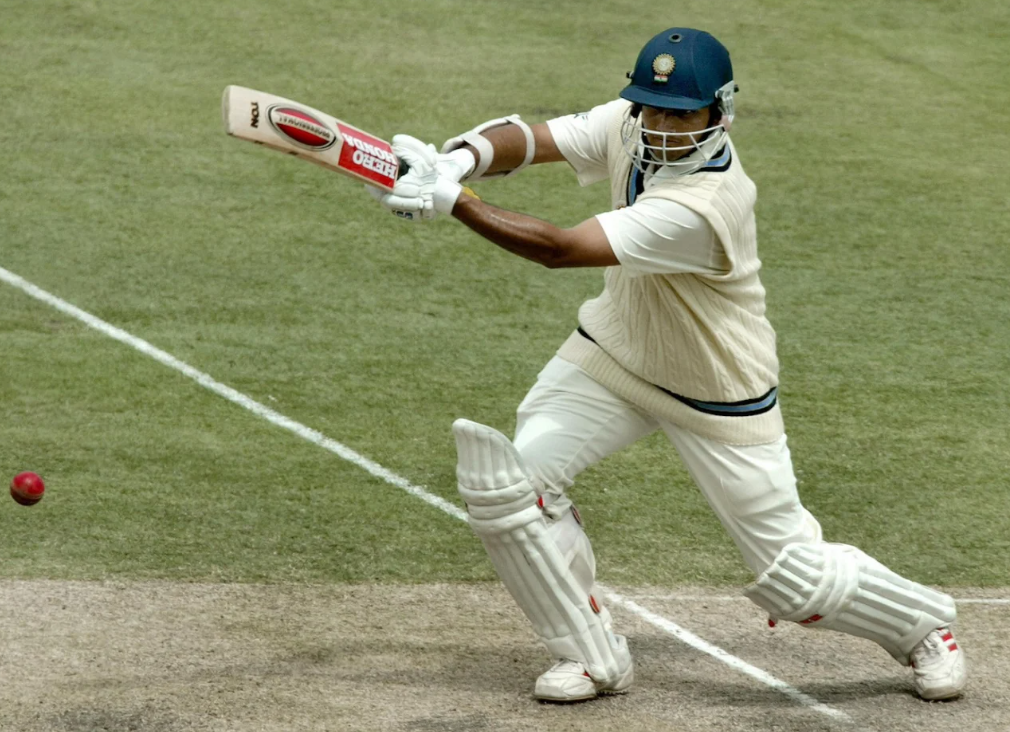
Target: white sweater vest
(704,337)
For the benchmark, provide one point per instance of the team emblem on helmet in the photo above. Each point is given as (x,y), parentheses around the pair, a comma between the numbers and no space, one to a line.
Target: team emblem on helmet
(663,65)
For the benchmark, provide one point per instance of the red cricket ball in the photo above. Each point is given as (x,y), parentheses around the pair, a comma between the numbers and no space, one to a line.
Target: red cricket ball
(27,488)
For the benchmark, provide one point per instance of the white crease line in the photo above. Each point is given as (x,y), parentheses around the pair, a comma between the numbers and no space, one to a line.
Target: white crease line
(378,471)
(688,598)
(741,598)
(689,638)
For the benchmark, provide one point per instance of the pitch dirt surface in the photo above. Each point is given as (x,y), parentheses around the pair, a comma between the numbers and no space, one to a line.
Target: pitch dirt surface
(162,657)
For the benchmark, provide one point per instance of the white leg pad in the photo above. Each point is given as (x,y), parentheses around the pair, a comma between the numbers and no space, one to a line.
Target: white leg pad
(838,587)
(504,513)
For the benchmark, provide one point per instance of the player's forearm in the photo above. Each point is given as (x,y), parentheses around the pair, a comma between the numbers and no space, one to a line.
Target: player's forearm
(527,236)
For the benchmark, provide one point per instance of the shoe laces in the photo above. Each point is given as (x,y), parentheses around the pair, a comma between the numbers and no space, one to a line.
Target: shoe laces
(930,649)
(565,664)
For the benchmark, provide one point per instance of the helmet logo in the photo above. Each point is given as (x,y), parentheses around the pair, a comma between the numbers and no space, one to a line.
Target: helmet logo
(662,66)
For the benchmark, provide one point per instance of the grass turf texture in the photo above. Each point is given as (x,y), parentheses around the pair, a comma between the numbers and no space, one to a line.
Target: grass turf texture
(880,155)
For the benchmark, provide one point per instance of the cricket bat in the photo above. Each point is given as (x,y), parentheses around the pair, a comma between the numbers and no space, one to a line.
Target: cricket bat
(300,130)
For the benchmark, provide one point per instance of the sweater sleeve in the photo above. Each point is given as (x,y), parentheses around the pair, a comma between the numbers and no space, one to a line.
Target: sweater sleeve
(582,139)
(659,236)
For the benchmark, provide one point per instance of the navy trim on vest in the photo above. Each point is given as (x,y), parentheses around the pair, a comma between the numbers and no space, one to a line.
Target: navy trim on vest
(719,163)
(746,408)
(636,184)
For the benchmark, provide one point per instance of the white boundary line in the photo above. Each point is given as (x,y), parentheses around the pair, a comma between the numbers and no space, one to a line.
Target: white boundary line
(378,471)
(230,394)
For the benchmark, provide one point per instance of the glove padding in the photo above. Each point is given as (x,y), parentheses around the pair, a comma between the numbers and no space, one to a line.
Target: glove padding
(422,193)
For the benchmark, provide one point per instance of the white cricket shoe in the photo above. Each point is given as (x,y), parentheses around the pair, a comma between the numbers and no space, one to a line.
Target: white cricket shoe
(568,681)
(939,666)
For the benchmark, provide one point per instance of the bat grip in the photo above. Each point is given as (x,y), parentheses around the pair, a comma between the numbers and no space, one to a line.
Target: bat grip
(402,171)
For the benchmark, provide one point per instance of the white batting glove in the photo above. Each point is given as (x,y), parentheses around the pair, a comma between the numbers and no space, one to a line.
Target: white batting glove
(422,193)
(381,195)
(456,165)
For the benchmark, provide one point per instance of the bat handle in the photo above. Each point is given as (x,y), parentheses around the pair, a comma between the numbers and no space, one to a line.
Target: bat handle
(403,169)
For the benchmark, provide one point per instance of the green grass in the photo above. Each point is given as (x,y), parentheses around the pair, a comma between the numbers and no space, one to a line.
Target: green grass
(876,136)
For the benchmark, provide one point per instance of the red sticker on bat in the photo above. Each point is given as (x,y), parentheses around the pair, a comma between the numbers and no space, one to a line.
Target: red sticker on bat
(368,156)
(300,127)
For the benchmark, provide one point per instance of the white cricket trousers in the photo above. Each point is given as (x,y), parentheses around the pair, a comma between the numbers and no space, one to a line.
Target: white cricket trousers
(569,421)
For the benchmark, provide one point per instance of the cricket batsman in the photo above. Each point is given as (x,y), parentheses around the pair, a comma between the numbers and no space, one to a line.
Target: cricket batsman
(677,341)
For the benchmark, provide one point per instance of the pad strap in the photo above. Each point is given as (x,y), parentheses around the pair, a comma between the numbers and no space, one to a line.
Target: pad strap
(504,512)
(486,149)
(838,587)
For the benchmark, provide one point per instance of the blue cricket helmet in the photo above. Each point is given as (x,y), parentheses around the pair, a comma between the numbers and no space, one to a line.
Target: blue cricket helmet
(680,68)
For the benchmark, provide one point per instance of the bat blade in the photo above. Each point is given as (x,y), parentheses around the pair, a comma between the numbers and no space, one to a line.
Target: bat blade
(291,127)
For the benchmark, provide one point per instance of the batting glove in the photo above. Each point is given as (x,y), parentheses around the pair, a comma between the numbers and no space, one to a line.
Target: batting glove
(422,193)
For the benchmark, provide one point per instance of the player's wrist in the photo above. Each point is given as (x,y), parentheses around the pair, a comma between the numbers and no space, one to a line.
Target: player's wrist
(447,192)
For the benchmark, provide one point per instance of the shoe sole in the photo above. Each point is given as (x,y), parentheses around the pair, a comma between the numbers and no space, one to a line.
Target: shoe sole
(942,697)
(566,700)
(570,699)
